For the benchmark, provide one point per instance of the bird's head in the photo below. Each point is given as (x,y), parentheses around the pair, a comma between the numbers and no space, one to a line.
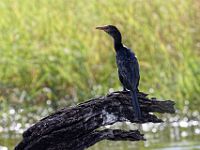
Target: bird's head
(111,30)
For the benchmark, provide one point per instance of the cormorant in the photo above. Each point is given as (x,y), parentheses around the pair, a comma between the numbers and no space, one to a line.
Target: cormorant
(128,67)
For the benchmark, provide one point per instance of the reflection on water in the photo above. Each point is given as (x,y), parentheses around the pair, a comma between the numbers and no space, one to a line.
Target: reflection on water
(176,133)
(179,135)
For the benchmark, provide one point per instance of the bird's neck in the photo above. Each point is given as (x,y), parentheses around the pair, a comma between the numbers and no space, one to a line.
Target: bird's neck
(118,46)
(118,42)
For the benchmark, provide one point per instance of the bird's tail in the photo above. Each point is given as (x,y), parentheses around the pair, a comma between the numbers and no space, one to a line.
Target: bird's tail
(136,105)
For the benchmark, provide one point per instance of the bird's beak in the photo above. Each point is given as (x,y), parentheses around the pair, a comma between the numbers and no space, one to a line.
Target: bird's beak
(101,28)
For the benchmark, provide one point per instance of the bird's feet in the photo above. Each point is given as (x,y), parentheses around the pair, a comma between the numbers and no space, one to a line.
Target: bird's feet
(125,90)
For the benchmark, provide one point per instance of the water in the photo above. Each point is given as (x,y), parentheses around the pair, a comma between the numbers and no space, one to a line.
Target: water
(181,135)
(175,135)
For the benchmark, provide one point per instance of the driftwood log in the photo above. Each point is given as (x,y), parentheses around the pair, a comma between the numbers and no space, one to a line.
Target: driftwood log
(76,128)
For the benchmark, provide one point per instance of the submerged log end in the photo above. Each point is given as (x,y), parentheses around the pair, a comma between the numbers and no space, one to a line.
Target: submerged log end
(107,134)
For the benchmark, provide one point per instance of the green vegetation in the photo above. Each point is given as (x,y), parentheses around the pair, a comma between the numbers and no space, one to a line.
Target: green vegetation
(51,54)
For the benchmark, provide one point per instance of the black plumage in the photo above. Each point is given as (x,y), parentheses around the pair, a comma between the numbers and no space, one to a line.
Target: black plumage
(128,67)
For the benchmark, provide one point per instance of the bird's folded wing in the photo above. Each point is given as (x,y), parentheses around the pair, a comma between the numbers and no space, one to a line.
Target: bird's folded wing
(130,72)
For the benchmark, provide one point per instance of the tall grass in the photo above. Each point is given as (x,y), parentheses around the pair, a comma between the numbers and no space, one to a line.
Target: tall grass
(51,53)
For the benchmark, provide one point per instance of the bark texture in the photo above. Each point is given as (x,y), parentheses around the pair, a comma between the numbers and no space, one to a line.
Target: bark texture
(76,128)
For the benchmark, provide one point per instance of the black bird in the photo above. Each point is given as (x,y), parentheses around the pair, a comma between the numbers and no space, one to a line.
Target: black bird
(128,67)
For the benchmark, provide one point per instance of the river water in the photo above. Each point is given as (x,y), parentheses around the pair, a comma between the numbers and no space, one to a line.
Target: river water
(173,134)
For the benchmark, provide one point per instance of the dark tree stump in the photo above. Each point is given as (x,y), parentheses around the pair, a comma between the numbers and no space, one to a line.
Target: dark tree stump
(75,128)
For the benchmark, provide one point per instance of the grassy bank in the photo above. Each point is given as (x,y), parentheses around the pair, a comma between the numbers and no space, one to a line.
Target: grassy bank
(51,54)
